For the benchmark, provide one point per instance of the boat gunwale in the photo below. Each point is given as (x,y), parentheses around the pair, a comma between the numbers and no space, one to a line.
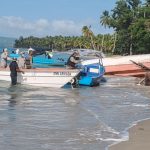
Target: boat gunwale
(44,70)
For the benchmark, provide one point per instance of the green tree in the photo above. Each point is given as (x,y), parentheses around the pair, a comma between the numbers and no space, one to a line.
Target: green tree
(87,32)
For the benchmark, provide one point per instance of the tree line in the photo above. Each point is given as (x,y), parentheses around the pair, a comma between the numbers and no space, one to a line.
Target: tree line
(130,20)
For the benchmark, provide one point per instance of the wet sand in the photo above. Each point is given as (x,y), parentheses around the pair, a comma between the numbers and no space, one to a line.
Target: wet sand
(139,138)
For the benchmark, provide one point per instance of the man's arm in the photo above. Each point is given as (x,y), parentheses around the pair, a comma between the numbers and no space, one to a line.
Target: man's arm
(72,59)
(18,69)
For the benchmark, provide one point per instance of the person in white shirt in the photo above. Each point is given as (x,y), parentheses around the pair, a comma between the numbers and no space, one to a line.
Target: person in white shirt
(17,51)
(21,61)
(4,58)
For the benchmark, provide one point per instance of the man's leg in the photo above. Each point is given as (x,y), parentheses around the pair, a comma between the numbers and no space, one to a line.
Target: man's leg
(13,80)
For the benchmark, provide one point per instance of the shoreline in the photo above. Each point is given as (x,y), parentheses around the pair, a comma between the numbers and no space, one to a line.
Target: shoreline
(139,137)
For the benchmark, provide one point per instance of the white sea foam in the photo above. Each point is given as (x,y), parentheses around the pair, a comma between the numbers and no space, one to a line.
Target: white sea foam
(140,105)
(113,139)
(125,133)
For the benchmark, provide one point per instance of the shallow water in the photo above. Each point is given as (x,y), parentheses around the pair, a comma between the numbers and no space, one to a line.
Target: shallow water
(70,119)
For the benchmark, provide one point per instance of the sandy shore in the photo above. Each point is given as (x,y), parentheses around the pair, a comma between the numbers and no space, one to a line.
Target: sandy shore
(139,138)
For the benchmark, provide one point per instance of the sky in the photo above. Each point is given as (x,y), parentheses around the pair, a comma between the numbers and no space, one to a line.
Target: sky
(42,18)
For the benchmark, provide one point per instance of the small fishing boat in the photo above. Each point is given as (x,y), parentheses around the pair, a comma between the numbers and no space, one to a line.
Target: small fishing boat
(87,75)
(91,75)
(57,58)
(44,77)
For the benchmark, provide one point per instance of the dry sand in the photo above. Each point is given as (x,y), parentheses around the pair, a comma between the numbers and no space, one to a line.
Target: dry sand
(139,138)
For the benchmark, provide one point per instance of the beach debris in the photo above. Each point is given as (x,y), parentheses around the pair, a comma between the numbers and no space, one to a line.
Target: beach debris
(141,65)
(146,79)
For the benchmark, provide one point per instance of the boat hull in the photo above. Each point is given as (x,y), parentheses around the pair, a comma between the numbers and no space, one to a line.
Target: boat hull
(126,70)
(42,77)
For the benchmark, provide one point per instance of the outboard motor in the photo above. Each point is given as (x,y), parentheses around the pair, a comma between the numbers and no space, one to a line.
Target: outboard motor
(74,82)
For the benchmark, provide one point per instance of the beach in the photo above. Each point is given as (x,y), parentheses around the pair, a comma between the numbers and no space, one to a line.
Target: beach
(139,138)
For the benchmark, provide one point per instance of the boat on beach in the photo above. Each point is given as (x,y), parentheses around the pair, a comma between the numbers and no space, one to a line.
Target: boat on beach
(116,65)
(123,65)
(127,70)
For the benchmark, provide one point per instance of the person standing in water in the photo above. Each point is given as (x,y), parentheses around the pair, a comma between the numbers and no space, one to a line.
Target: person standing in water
(13,71)
(4,58)
(21,61)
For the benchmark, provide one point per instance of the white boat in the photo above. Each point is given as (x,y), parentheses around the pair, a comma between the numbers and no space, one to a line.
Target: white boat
(44,77)
(119,60)
(86,52)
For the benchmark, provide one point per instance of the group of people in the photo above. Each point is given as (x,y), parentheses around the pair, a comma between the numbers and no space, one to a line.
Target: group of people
(16,65)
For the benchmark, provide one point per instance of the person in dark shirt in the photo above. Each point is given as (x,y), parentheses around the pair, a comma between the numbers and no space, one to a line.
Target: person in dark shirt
(73,60)
(13,71)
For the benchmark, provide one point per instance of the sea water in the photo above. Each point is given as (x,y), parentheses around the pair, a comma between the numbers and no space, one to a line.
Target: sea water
(85,118)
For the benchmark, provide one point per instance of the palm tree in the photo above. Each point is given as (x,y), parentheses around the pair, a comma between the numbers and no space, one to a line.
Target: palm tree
(104,21)
(86,31)
(114,45)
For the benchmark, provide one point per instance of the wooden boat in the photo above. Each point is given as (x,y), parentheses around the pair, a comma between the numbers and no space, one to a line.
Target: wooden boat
(123,65)
(45,77)
(127,70)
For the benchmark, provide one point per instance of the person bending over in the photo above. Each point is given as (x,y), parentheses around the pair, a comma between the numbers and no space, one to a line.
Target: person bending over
(73,60)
